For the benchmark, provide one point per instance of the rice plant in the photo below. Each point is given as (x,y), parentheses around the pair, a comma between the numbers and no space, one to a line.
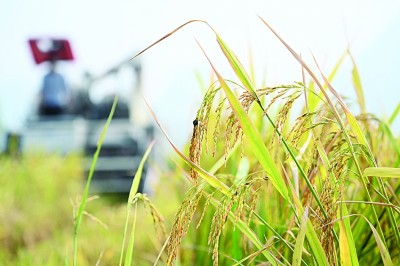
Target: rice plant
(319,189)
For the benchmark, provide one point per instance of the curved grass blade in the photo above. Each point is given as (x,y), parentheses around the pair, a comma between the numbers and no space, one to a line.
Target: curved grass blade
(167,35)
(139,172)
(129,252)
(132,193)
(357,84)
(237,67)
(78,218)
(388,132)
(385,256)
(387,261)
(348,252)
(394,114)
(337,66)
(298,248)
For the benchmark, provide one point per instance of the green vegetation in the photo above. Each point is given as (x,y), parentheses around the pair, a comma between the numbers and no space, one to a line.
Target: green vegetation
(261,183)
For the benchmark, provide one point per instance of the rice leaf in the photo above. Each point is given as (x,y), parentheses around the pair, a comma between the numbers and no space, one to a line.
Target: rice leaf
(78,218)
(237,67)
(298,248)
(355,127)
(167,35)
(390,172)
(387,261)
(236,250)
(394,115)
(357,85)
(138,175)
(253,136)
(132,193)
(129,252)
(337,66)
(348,252)
(386,129)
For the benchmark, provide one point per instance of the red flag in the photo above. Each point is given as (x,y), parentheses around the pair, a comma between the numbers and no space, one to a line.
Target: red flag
(59,49)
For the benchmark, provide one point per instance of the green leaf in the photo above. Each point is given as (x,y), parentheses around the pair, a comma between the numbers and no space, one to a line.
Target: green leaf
(393,142)
(387,261)
(138,175)
(237,67)
(132,194)
(348,252)
(298,248)
(357,85)
(390,172)
(78,218)
(394,114)
(336,67)
(129,252)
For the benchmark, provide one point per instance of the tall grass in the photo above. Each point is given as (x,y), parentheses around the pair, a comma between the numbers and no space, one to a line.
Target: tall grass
(320,190)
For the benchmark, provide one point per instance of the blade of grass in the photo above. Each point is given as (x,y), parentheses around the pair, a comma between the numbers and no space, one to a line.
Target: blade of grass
(387,261)
(79,215)
(382,172)
(337,66)
(237,67)
(139,172)
(394,115)
(129,252)
(298,248)
(348,252)
(167,35)
(132,193)
(385,256)
(386,130)
(357,84)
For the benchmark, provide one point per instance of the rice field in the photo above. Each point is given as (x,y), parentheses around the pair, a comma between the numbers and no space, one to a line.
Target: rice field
(258,184)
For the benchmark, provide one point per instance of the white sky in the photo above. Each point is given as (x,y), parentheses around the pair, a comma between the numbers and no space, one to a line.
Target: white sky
(104,33)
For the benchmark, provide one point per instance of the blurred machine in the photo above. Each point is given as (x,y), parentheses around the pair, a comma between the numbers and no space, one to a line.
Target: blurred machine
(79,128)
